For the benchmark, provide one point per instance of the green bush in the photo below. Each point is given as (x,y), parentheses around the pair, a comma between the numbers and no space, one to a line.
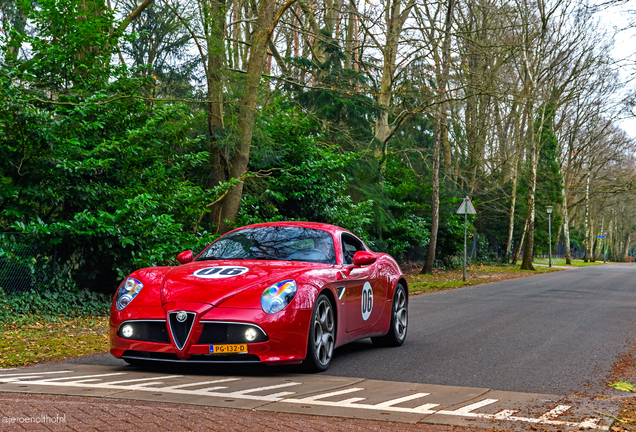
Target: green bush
(52,304)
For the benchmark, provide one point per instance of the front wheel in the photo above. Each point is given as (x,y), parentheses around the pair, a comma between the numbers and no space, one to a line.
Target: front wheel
(322,336)
(399,320)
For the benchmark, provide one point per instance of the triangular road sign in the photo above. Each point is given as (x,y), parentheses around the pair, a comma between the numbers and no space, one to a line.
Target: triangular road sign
(466,207)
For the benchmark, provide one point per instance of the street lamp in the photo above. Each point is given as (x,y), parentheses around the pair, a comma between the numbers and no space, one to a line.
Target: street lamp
(605,251)
(549,209)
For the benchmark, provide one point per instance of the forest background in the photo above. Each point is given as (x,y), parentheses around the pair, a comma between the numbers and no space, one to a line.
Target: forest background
(131,130)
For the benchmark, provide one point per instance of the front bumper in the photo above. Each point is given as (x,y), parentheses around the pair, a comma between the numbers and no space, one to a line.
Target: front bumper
(286,336)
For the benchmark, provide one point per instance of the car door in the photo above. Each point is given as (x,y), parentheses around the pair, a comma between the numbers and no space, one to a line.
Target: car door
(364,292)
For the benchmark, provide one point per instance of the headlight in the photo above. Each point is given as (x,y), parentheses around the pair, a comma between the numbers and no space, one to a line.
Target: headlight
(277,296)
(127,292)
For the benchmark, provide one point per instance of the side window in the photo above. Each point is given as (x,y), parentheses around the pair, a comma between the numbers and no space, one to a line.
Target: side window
(350,245)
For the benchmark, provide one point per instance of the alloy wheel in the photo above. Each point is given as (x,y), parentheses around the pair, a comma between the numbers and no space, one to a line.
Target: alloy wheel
(324,332)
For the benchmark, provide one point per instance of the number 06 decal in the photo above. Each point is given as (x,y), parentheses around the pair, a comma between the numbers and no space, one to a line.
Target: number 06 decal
(367,301)
(220,272)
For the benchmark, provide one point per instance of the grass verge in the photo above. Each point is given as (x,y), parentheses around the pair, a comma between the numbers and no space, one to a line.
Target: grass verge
(37,341)
(442,280)
(626,420)
(561,262)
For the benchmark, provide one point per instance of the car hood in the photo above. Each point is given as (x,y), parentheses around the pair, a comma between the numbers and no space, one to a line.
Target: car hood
(214,282)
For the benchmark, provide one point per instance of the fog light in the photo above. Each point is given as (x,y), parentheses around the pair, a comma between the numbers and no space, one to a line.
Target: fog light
(250,334)
(127,331)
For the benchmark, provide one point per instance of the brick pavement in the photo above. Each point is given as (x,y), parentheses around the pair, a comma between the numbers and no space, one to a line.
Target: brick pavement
(102,414)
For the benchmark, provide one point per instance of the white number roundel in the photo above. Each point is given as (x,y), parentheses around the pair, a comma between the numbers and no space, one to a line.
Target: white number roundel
(367,301)
(220,272)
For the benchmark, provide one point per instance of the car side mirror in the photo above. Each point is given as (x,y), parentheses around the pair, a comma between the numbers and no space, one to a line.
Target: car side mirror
(185,257)
(362,258)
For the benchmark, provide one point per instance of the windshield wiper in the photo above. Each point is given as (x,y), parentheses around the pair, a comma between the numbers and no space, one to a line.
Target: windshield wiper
(269,258)
(212,258)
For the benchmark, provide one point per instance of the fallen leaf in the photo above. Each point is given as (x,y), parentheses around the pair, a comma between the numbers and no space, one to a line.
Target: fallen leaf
(623,386)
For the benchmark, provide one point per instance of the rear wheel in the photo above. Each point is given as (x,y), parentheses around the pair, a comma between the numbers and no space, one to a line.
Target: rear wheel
(399,320)
(322,336)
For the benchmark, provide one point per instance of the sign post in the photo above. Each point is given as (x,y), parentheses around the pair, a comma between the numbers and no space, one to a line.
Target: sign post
(604,251)
(466,208)
(549,208)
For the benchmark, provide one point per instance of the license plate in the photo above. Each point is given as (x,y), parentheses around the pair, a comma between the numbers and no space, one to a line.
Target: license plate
(228,349)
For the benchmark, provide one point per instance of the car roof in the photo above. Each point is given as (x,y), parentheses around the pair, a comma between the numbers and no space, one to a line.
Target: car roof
(333,229)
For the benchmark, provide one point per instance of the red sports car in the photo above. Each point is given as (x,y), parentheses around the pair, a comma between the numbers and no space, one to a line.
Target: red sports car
(276,293)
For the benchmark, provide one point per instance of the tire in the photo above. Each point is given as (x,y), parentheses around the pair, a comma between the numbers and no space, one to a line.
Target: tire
(399,320)
(322,336)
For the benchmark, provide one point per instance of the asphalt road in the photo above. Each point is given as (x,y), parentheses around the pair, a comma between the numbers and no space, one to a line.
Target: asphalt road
(556,333)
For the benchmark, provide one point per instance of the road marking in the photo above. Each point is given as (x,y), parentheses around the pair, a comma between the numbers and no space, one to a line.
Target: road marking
(425,409)
(87,380)
(17,377)
(145,379)
(260,389)
(240,394)
(400,400)
(200,383)
(352,400)
(98,381)
(504,415)
(272,397)
(555,412)
(350,403)
(468,410)
(33,373)
(209,389)
(49,380)
(326,395)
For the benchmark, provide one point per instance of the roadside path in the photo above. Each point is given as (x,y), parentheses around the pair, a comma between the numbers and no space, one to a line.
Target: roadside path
(321,395)
(68,413)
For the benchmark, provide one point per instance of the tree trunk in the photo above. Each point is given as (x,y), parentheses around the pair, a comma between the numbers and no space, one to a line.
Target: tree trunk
(528,253)
(602,232)
(332,16)
(586,258)
(430,257)
(440,111)
(394,20)
(511,220)
(349,40)
(515,176)
(566,221)
(558,236)
(246,114)
(219,164)
(18,25)
(592,241)
(515,255)
(235,34)
(445,142)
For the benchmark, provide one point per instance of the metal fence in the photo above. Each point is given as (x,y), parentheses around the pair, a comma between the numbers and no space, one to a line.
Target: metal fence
(28,263)
(559,252)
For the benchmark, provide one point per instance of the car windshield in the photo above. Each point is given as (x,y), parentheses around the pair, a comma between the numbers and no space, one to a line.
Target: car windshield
(273,243)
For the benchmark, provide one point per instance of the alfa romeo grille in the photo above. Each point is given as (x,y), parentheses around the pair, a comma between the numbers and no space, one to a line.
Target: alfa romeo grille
(181,330)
